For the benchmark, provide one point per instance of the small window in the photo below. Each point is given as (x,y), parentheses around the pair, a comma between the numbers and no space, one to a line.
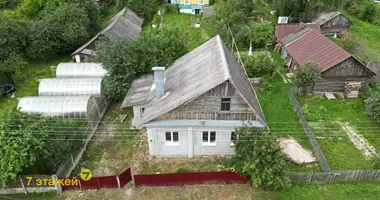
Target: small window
(187,2)
(200,2)
(171,137)
(226,104)
(209,137)
(142,110)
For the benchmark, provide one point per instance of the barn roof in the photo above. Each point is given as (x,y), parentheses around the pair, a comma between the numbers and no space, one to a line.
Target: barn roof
(295,35)
(374,67)
(283,30)
(315,47)
(125,24)
(322,19)
(192,75)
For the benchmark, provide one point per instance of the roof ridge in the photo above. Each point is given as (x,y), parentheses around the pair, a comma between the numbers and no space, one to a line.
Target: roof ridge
(227,73)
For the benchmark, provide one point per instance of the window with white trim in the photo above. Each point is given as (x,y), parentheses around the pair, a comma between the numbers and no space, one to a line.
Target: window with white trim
(209,137)
(171,137)
(200,2)
(187,2)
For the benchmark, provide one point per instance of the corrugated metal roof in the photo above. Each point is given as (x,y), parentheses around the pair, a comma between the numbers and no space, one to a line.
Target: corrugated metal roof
(315,47)
(192,75)
(283,30)
(293,36)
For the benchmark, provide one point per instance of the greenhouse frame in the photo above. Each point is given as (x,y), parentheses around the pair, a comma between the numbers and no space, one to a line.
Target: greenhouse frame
(85,107)
(70,87)
(80,70)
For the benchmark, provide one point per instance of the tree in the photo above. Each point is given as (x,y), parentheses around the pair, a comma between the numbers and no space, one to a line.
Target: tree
(126,60)
(261,34)
(369,13)
(259,64)
(60,29)
(13,64)
(144,8)
(352,43)
(12,37)
(306,75)
(259,156)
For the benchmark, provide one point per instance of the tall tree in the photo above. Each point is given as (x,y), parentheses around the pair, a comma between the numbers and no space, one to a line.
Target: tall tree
(12,37)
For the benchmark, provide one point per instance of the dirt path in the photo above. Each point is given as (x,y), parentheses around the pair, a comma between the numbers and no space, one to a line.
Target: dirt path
(359,141)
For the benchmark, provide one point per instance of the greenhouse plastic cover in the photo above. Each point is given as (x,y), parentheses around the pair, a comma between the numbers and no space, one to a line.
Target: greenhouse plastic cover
(72,107)
(70,87)
(80,70)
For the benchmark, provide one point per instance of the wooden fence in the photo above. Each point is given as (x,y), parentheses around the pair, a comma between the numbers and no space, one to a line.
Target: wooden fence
(192,178)
(318,153)
(335,176)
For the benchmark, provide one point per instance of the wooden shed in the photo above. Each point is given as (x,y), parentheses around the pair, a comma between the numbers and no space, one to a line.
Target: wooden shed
(375,67)
(338,67)
(333,23)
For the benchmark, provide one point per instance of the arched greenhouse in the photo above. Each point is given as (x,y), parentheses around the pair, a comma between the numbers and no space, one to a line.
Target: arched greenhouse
(70,87)
(80,70)
(85,107)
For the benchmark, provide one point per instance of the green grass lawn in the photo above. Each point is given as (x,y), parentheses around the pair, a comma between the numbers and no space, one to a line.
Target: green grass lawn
(325,115)
(185,24)
(369,33)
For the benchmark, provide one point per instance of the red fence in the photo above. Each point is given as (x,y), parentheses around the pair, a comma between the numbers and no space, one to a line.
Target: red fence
(125,177)
(189,179)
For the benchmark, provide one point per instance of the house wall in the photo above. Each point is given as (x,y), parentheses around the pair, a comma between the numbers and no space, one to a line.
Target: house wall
(337,25)
(190,142)
(350,67)
(194,4)
(208,106)
(137,115)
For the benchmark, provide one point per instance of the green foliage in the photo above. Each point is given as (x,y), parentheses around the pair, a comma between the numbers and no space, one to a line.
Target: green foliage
(31,144)
(306,75)
(13,64)
(181,170)
(144,8)
(315,113)
(120,4)
(9,4)
(352,43)
(369,13)
(261,34)
(60,29)
(259,156)
(126,60)
(12,37)
(259,64)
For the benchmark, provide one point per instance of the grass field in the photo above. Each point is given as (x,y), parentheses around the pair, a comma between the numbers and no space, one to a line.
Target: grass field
(337,147)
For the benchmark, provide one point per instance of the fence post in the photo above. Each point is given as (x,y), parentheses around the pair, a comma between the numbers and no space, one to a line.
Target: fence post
(118,181)
(57,186)
(72,160)
(22,184)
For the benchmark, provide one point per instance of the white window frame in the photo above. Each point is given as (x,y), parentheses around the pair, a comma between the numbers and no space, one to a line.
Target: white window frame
(208,143)
(171,142)
(203,2)
(188,2)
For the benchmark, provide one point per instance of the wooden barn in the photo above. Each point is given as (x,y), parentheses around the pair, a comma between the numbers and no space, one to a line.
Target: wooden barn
(338,67)
(333,23)
(375,67)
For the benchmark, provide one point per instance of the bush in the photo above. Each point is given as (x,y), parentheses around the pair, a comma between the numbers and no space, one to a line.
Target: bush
(171,8)
(259,64)
(354,9)
(314,113)
(305,77)
(181,170)
(376,161)
(369,13)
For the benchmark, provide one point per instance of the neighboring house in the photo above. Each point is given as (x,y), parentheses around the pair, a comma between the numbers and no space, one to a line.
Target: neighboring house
(337,65)
(375,67)
(333,23)
(191,6)
(125,24)
(193,107)
(288,32)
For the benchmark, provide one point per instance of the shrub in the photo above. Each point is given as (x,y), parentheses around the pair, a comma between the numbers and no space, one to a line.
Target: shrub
(376,161)
(259,64)
(171,8)
(305,76)
(369,13)
(181,170)
(314,113)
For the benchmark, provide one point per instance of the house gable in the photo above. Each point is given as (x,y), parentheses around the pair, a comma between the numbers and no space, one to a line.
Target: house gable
(350,67)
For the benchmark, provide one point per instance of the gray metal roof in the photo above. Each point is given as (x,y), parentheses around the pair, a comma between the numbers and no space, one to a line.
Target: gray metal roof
(80,70)
(291,37)
(325,17)
(125,24)
(70,87)
(192,75)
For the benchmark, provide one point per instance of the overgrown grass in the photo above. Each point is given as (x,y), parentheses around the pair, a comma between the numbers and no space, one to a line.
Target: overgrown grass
(34,196)
(186,25)
(279,113)
(369,33)
(340,152)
